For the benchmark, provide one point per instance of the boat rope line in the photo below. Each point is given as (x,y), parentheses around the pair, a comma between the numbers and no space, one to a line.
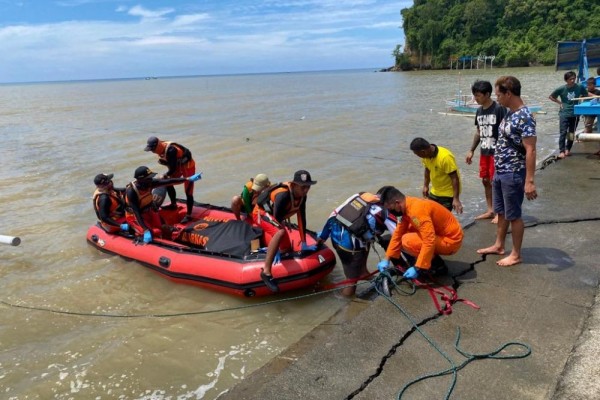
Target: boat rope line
(328,289)
(454,368)
(179,314)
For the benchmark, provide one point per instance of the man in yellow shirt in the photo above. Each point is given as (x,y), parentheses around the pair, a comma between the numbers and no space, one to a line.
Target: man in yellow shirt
(441,171)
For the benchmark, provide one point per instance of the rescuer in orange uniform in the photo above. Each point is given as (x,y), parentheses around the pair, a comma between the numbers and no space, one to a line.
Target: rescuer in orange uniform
(426,231)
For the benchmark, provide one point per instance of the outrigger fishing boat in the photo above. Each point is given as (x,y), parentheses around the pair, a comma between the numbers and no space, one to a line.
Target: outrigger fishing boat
(466,104)
(218,252)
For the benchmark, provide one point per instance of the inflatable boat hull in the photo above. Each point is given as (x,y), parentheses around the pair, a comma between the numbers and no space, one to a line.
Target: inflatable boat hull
(240,276)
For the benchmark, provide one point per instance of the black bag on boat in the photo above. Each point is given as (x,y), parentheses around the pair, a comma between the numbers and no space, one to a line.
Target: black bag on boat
(235,238)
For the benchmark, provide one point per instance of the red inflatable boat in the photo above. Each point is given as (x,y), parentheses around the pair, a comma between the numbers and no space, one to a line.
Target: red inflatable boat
(218,252)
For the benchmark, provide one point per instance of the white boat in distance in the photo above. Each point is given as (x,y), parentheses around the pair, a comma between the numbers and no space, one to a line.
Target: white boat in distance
(466,104)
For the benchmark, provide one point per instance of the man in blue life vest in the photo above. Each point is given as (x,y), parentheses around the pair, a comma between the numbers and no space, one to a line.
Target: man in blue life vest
(352,227)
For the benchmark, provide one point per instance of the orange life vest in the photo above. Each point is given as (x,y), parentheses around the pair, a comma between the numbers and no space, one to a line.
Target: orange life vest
(144,196)
(183,156)
(115,209)
(116,203)
(293,205)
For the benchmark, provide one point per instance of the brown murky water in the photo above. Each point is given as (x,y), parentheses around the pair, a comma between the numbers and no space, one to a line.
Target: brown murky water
(350,129)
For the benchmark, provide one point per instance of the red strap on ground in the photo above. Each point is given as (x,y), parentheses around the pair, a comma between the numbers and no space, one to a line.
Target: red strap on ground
(448,298)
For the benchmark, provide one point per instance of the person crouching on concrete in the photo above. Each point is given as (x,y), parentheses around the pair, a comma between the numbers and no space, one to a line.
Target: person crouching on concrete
(426,231)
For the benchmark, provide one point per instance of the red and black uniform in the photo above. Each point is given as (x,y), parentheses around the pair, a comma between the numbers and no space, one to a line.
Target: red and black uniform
(141,212)
(181,164)
(109,206)
(281,205)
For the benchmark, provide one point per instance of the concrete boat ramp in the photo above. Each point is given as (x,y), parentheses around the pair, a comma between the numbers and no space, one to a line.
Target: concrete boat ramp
(550,303)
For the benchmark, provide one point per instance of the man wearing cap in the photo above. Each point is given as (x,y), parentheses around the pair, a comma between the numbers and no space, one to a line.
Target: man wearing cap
(247,199)
(109,204)
(181,164)
(283,201)
(141,213)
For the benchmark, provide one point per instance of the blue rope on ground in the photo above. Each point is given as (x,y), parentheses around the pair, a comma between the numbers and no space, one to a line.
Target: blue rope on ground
(453,367)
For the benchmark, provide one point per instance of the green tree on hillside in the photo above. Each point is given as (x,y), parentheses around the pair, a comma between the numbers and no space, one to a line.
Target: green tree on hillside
(517,32)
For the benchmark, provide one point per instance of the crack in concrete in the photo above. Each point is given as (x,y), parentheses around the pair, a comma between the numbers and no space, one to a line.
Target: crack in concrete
(390,353)
(456,284)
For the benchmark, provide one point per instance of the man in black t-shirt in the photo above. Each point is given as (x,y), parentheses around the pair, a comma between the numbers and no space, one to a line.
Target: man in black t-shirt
(487,121)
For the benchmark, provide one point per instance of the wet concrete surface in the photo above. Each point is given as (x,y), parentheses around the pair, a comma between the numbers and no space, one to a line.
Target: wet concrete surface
(371,349)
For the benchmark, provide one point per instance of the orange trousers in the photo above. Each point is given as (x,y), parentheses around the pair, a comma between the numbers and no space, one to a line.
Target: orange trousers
(411,243)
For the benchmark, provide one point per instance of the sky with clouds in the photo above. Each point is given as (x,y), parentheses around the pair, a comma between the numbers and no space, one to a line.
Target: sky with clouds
(47,40)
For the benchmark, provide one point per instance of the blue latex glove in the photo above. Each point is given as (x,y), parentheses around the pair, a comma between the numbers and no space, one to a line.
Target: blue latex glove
(368,236)
(411,273)
(383,265)
(195,177)
(147,237)
(305,247)
(125,227)
(277,258)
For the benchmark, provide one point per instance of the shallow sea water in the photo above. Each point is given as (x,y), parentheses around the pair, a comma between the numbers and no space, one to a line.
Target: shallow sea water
(350,129)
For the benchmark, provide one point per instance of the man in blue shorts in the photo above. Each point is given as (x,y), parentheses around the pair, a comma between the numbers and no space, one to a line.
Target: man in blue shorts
(514,160)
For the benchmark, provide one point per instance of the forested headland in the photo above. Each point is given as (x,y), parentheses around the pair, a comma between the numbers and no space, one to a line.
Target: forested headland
(517,32)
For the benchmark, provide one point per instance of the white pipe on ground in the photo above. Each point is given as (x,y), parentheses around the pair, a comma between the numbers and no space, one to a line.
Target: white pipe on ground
(588,137)
(12,240)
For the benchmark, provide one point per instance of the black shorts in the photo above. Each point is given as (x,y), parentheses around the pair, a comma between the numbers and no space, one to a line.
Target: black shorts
(443,200)
(353,262)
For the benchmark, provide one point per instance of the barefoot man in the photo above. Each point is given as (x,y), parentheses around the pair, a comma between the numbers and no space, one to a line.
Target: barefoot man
(487,120)
(514,159)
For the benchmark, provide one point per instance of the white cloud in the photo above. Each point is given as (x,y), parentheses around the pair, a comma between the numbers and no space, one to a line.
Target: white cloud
(166,40)
(139,11)
(225,40)
(190,19)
